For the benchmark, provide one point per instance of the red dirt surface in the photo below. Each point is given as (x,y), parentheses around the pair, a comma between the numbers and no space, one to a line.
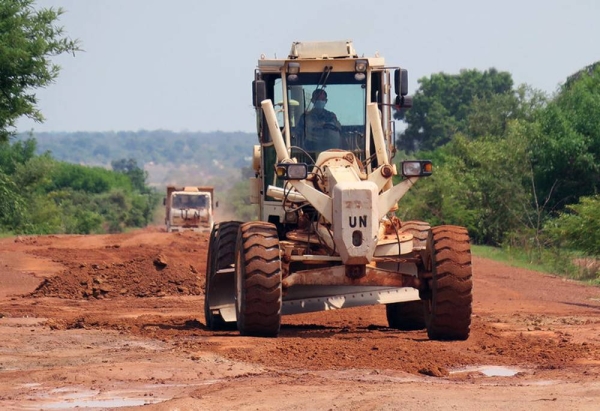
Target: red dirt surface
(108,321)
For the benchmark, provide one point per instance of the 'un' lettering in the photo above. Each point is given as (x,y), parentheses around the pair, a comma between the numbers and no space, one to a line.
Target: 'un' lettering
(362,221)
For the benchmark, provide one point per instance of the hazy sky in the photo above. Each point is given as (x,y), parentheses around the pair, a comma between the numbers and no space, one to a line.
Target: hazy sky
(188,64)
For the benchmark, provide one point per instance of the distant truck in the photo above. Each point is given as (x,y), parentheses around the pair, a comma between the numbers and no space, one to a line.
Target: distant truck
(189,209)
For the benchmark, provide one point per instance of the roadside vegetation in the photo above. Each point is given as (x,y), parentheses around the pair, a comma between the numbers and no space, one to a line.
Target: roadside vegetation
(40,195)
(570,264)
(519,168)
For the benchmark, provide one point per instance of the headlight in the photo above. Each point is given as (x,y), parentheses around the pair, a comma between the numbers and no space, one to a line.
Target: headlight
(291,171)
(417,168)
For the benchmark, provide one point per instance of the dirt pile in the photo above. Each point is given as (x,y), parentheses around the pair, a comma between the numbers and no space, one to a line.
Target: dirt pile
(142,270)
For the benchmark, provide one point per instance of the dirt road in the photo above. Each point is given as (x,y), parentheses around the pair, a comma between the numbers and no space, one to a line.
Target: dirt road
(98,322)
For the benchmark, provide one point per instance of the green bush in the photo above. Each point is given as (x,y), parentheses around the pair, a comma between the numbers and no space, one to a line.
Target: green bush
(578,227)
(89,179)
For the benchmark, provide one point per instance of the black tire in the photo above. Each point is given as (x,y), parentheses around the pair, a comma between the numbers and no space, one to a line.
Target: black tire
(449,308)
(221,254)
(410,315)
(258,280)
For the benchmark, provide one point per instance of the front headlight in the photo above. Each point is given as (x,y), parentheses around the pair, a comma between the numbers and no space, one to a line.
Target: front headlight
(417,168)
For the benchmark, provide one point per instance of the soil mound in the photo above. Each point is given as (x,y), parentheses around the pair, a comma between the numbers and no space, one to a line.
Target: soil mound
(143,270)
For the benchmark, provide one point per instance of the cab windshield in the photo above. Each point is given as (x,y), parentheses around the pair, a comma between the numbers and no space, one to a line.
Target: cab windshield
(327,114)
(190,201)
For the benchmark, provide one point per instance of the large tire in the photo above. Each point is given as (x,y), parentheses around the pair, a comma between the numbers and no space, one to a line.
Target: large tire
(221,254)
(448,314)
(258,280)
(410,315)
(419,230)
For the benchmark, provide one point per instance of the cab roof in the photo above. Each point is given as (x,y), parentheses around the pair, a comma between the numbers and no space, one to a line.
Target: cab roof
(322,50)
(315,51)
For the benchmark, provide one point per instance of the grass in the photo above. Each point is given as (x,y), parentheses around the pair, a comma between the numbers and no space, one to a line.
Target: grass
(549,262)
(511,258)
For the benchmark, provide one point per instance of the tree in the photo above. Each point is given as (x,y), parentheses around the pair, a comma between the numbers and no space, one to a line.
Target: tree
(12,204)
(479,184)
(28,40)
(18,153)
(442,105)
(566,144)
(484,179)
(492,116)
(130,168)
(578,227)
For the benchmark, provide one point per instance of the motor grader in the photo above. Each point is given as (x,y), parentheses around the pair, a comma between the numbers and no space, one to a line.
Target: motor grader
(328,236)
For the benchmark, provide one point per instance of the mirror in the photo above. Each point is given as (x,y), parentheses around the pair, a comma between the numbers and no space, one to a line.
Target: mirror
(401,81)
(259,92)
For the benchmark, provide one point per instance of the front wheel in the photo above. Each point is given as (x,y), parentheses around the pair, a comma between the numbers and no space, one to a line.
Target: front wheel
(258,280)
(410,315)
(219,289)
(449,306)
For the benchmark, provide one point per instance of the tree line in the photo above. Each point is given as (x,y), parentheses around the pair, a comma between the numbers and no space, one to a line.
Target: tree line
(214,151)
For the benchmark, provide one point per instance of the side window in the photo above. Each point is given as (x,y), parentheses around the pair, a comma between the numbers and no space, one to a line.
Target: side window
(176,201)
(278,102)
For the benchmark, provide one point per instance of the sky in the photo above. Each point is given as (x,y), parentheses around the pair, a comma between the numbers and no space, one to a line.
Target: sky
(188,65)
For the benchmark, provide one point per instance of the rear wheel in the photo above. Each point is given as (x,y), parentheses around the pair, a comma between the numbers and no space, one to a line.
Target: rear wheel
(448,313)
(410,315)
(258,280)
(218,288)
